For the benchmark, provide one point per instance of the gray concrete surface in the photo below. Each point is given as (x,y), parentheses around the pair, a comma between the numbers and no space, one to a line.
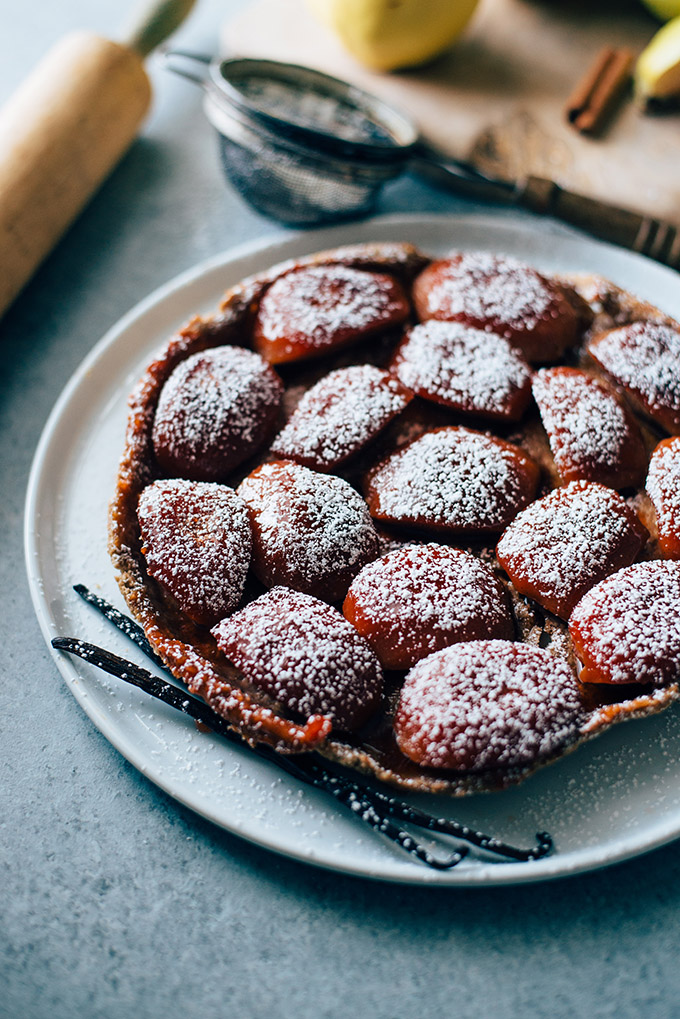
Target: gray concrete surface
(114,900)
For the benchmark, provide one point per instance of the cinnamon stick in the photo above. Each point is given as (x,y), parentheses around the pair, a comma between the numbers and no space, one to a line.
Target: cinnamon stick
(594,98)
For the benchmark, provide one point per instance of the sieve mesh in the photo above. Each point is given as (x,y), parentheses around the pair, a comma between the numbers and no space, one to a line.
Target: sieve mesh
(292,184)
(306,167)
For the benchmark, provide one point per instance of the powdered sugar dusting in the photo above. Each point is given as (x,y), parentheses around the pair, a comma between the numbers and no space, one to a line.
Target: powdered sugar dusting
(213,412)
(439,598)
(489,288)
(316,308)
(421,598)
(305,655)
(563,544)
(311,531)
(471,370)
(663,488)
(627,628)
(645,358)
(197,544)
(339,415)
(487,704)
(453,479)
(589,432)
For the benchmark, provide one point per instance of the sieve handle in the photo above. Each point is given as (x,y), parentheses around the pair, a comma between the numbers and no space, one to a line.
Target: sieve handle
(652,237)
(169,60)
(655,238)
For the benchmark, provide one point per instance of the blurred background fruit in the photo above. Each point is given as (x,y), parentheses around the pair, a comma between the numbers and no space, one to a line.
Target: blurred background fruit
(388,34)
(663,9)
(657,72)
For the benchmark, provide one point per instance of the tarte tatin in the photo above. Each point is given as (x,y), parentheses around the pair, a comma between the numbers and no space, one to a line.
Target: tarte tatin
(419,515)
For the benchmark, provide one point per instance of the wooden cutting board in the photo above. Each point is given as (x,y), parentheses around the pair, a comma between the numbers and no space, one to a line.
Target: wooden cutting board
(497,97)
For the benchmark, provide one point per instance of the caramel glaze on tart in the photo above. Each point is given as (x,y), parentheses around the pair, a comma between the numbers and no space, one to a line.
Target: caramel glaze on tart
(378,419)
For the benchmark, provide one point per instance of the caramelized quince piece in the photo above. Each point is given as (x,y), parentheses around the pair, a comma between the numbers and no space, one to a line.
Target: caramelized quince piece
(197,545)
(311,531)
(592,434)
(339,415)
(305,655)
(663,488)
(487,704)
(422,598)
(215,410)
(536,314)
(644,358)
(452,480)
(472,371)
(561,545)
(626,629)
(312,311)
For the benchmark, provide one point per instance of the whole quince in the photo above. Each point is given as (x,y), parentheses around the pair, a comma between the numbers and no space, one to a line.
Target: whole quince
(388,34)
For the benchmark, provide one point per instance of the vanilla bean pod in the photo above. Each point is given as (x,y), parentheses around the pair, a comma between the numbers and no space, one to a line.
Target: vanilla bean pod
(315,773)
(344,791)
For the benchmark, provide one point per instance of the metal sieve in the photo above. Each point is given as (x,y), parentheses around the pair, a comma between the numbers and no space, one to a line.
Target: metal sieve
(300,146)
(305,148)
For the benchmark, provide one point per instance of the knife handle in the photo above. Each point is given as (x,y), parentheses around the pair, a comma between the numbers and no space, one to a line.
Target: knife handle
(655,238)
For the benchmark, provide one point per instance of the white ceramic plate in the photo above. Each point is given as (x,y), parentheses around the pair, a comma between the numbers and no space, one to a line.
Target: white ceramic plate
(613,799)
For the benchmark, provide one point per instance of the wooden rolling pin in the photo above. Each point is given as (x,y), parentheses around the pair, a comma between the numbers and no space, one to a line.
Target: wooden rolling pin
(63,132)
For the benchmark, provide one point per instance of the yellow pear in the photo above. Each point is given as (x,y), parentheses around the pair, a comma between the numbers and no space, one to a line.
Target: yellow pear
(657,71)
(387,34)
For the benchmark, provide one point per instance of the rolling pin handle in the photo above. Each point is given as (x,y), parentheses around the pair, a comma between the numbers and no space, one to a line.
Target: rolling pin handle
(153,22)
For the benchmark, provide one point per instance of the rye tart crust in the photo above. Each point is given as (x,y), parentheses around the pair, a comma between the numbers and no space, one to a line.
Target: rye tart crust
(191,652)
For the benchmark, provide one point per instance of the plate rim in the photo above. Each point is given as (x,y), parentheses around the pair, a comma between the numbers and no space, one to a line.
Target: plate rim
(408,872)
